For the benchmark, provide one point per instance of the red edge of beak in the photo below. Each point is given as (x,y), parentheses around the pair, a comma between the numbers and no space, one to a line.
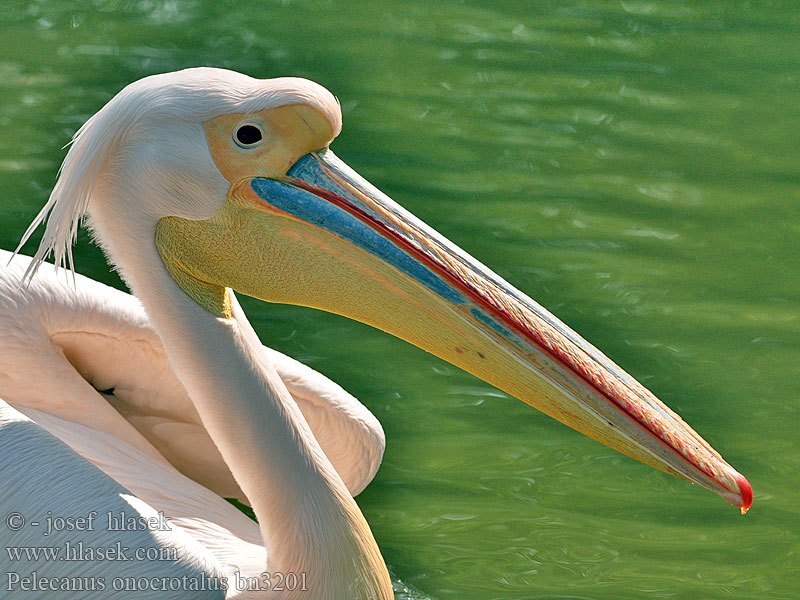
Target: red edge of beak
(746,491)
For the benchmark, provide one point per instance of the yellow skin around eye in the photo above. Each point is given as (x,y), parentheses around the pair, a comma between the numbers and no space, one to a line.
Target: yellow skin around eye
(289,132)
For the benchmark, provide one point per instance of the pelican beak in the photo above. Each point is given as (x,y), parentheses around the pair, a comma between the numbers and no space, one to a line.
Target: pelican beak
(321,236)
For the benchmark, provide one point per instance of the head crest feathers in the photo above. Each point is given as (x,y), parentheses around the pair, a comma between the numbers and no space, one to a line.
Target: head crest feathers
(69,199)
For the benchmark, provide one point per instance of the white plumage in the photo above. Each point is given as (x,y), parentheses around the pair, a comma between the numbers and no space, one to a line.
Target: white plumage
(142,157)
(92,418)
(80,336)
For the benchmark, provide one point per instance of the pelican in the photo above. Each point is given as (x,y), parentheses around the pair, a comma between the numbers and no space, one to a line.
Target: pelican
(125,419)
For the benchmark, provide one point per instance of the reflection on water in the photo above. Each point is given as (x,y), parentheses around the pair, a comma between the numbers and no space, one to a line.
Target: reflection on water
(631,165)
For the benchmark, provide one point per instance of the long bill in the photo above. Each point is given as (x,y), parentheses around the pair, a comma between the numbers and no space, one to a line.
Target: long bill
(321,236)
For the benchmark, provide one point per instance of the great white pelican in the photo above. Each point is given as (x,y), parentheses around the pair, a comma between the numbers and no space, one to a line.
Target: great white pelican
(124,419)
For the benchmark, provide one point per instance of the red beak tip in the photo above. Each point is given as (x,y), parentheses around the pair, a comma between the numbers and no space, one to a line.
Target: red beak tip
(746,492)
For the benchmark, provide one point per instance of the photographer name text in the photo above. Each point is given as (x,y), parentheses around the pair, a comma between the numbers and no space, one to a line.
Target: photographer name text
(92,521)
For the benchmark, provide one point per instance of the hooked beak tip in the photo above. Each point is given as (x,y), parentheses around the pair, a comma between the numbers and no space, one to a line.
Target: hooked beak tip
(746,493)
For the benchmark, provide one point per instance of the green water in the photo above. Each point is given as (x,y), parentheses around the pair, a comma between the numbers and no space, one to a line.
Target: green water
(632,165)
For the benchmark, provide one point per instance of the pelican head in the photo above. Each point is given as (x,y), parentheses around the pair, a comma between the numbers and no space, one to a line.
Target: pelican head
(231,180)
(234,182)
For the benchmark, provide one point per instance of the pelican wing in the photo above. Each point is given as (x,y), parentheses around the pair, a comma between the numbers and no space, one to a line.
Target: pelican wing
(45,481)
(95,356)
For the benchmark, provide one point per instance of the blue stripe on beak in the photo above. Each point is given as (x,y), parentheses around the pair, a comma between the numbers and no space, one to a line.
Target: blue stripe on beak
(317,211)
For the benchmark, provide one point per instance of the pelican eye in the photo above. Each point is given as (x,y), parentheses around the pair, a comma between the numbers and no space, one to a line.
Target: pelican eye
(248,135)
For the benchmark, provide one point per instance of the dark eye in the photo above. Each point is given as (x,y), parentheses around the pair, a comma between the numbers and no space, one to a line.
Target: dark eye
(247,135)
